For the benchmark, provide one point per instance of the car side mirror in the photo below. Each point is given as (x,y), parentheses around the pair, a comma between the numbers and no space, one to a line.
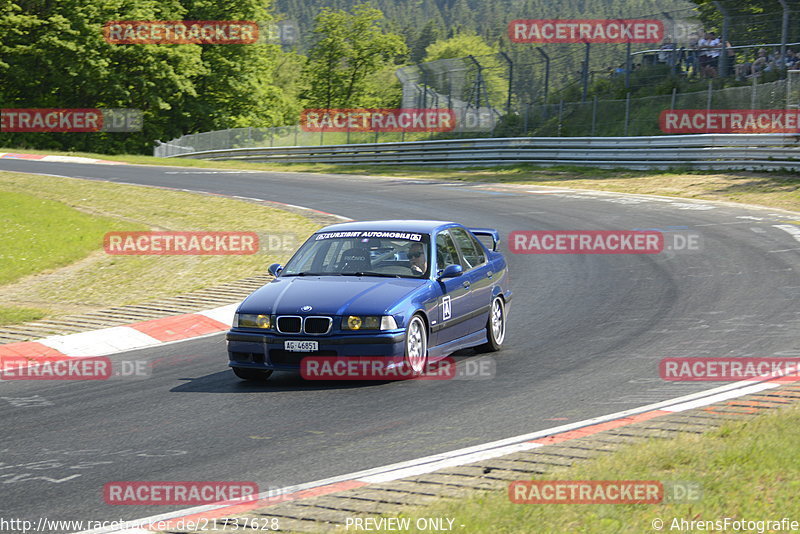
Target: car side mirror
(275,269)
(451,271)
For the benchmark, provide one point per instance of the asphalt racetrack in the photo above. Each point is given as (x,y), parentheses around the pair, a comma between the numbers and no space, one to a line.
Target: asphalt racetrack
(585,336)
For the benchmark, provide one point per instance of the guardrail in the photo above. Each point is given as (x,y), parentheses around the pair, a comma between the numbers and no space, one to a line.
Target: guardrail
(698,151)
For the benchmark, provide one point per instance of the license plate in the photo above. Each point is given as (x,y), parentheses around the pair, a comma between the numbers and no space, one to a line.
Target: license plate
(301,346)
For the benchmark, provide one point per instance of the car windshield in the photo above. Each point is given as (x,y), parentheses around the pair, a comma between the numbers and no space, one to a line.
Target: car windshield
(359,253)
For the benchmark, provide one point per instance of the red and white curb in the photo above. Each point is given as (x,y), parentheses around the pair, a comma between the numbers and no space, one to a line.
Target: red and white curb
(123,338)
(59,159)
(454,458)
(134,336)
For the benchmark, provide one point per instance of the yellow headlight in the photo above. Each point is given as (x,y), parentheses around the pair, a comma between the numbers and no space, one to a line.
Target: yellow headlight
(262,321)
(353,322)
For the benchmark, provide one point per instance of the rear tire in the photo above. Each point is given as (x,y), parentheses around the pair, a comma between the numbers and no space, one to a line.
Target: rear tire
(256,375)
(495,326)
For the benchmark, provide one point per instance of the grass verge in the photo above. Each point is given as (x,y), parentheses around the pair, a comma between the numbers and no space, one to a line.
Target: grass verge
(11,315)
(771,189)
(747,470)
(59,265)
(38,234)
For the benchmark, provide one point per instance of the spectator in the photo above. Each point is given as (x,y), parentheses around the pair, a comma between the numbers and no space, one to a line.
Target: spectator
(666,52)
(791,59)
(729,66)
(702,51)
(773,62)
(692,62)
(713,48)
(755,68)
(743,70)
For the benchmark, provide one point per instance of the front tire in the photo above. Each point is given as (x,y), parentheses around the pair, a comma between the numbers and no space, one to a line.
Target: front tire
(495,326)
(416,354)
(255,375)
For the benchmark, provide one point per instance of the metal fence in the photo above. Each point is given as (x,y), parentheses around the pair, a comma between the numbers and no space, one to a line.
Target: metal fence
(595,117)
(704,151)
(640,116)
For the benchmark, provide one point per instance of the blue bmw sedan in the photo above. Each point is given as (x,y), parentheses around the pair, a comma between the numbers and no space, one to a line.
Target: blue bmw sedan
(404,292)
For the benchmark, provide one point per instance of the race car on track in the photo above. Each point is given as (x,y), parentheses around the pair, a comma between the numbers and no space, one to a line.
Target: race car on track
(405,292)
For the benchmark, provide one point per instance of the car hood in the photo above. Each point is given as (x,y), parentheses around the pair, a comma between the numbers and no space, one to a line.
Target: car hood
(330,295)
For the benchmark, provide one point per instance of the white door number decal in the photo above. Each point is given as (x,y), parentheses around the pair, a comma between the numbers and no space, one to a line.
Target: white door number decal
(446,311)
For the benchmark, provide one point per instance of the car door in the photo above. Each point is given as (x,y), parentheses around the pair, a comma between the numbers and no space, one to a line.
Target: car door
(454,293)
(478,273)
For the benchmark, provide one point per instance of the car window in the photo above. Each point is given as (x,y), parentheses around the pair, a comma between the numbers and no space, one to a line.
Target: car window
(446,252)
(335,249)
(401,254)
(479,247)
(470,249)
(310,259)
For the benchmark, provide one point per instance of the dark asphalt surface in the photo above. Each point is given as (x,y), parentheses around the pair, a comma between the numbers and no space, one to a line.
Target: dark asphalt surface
(586,333)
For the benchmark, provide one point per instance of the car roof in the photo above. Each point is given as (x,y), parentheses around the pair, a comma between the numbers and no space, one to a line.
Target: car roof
(398,225)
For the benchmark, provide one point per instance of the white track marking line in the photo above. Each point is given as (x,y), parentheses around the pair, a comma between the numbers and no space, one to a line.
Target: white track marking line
(755,388)
(472,454)
(792,230)
(449,462)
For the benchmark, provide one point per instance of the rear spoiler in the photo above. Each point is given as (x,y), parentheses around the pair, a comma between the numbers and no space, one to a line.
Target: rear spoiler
(491,233)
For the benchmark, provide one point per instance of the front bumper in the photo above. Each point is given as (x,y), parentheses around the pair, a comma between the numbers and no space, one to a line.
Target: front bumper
(257,350)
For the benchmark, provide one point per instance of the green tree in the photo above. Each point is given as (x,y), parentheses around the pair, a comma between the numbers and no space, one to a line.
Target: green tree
(53,55)
(349,49)
(428,35)
(493,76)
(752,21)
(460,45)
(235,88)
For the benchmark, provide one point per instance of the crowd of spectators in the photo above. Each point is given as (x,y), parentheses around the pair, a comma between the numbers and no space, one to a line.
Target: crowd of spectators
(700,58)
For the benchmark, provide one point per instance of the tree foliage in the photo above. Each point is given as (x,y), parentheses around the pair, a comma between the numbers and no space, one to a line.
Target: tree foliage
(752,21)
(460,45)
(53,55)
(349,50)
(494,75)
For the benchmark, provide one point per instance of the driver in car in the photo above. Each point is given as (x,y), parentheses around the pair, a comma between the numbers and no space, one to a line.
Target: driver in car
(419,264)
